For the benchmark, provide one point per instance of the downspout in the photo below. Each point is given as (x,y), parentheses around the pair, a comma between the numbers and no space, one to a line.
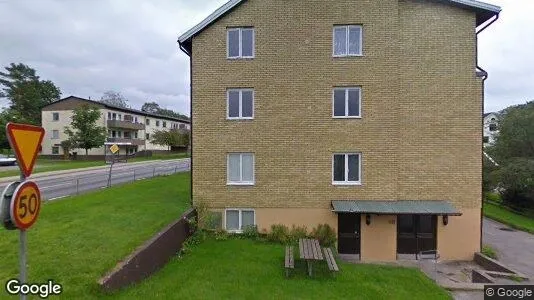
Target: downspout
(190,117)
(485,76)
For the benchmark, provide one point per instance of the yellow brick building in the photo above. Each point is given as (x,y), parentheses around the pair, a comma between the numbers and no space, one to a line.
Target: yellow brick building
(365,115)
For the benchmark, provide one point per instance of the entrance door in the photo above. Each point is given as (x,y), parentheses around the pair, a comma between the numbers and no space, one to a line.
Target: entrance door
(416,233)
(348,233)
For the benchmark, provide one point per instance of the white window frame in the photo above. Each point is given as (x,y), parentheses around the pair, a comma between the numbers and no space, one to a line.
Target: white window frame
(346,89)
(240,30)
(55,137)
(346,181)
(347,40)
(240,117)
(241,182)
(240,210)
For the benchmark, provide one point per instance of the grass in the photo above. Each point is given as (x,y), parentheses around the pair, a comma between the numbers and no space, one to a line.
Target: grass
(505,216)
(77,240)
(49,165)
(246,269)
(489,251)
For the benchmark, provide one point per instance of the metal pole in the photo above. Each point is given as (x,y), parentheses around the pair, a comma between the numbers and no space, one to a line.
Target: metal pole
(134,175)
(175,168)
(22,254)
(154,172)
(77,186)
(22,259)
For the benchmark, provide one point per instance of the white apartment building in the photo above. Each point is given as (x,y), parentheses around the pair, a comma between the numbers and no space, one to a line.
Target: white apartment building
(490,128)
(130,129)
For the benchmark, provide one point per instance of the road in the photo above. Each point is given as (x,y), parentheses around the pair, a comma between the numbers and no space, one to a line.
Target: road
(79,181)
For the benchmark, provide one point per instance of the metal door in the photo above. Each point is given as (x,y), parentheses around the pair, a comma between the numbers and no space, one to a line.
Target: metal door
(349,233)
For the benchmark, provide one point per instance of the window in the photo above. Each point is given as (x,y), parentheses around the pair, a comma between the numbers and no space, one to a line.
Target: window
(135,134)
(238,219)
(157,123)
(119,133)
(240,104)
(127,135)
(114,116)
(346,168)
(147,122)
(347,103)
(164,124)
(55,134)
(113,133)
(135,120)
(120,117)
(147,136)
(493,127)
(485,139)
(347,40)
(182,126)
(55,150)
(109,115)
(55,116)
(240,43)
(240,169)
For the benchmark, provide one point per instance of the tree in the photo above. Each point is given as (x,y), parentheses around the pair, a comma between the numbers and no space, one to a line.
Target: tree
(514,151)
(84,131)
(151,107)
(171,138)
(66,145)
(26,93)
(114,98)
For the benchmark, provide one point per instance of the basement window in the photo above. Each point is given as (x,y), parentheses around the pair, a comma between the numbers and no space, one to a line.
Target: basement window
(236,220)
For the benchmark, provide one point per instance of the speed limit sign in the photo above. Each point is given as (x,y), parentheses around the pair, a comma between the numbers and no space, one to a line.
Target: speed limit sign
(25,205)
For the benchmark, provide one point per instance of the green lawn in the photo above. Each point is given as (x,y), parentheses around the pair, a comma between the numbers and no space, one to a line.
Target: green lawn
(508,217)
(77,240)
(246,269)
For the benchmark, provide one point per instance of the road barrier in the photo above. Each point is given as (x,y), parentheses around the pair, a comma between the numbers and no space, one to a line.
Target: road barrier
(79,185)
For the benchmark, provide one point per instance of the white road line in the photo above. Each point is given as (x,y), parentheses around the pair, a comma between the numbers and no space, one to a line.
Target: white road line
(55,198)
(51,186)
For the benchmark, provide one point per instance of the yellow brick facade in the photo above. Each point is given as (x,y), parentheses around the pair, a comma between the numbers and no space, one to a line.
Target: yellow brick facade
(420,131)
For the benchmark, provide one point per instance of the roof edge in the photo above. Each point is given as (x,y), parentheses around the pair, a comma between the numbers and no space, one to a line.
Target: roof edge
(208,20)
(479,5)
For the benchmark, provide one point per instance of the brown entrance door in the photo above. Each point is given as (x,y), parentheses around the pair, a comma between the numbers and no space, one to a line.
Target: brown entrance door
(416,233)
(348,233)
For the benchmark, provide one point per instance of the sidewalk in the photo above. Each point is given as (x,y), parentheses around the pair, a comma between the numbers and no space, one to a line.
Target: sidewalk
(82,171)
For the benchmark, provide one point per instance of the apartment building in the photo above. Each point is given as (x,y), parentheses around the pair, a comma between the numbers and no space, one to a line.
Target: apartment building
(364,115)
(490,128)
(130,129)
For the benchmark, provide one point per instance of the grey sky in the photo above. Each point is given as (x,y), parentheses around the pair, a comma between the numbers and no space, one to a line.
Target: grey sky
(88,47)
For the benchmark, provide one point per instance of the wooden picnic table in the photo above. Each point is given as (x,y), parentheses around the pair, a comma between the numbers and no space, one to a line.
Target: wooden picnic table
(310,251)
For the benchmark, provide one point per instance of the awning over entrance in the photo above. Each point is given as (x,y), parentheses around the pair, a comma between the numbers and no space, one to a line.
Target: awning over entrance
(415,207)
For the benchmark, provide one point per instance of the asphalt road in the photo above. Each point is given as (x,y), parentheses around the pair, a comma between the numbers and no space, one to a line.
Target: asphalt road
(79,181)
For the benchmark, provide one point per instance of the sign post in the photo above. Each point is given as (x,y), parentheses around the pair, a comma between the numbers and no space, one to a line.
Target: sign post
(21,201)
(114,150)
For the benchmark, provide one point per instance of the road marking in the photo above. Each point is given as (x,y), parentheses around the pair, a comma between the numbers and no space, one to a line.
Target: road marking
(51,186)
(56,198)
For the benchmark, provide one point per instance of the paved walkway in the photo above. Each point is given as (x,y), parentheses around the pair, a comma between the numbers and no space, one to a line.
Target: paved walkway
(514,248)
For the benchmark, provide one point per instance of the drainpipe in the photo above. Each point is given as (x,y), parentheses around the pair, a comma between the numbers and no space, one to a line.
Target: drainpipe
(190,54)
(484,77)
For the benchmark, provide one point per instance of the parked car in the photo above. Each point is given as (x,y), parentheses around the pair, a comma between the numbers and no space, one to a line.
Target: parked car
(7,161)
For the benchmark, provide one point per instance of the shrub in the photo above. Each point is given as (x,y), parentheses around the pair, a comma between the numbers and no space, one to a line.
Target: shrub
(325,234)
(489,252)
(221,234)
(196,238)
(298,232)
(493,197)
(250,232)
(279,234)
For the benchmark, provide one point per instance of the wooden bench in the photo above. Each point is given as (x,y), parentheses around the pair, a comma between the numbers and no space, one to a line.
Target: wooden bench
(289,261)
(329,257)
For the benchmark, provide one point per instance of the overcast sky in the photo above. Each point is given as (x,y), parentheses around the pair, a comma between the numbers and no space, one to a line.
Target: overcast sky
(87,47)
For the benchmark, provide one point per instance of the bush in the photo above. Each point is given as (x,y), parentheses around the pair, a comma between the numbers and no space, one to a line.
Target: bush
(325,234)
(298,232)
(221,234)
(196,238)
(251,232)
(517,179)
(493,197)
(279,234)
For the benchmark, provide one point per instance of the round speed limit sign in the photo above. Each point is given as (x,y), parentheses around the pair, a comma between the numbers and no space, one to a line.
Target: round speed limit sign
(25,205)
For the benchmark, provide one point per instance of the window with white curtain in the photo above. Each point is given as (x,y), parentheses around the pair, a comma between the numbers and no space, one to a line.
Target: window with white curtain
(347,40)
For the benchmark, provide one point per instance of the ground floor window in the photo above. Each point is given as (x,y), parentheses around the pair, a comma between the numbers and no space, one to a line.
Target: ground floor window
(346,168)
(238,219)
(240,168)
(55,150)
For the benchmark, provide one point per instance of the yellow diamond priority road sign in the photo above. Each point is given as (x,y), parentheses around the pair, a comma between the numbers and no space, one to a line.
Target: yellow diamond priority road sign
(114,149)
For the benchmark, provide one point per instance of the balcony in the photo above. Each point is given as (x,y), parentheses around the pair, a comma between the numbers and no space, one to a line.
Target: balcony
(125,125)
(133,142)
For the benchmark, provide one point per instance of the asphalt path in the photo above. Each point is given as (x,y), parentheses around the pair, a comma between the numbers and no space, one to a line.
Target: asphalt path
(80,181)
